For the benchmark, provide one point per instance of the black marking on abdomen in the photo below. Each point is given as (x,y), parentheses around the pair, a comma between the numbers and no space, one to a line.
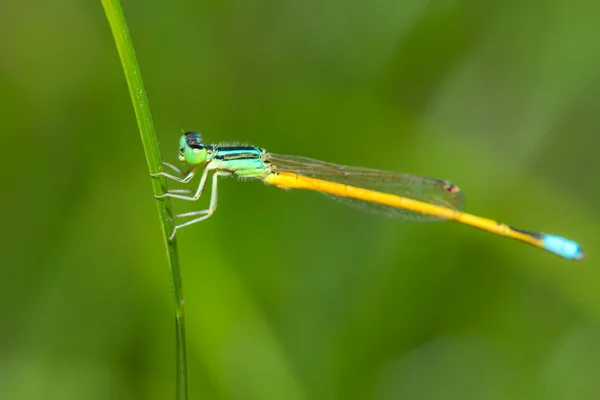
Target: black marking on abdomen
(535,235)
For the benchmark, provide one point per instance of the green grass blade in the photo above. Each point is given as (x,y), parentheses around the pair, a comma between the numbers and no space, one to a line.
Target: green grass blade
(118,25)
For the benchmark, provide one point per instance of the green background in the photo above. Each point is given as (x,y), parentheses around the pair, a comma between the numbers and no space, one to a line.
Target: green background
(290,295)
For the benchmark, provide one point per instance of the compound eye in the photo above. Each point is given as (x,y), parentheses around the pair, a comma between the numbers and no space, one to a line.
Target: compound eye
(194,140)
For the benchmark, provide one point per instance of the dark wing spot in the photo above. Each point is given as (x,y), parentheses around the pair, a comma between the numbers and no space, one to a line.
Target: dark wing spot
(449,187)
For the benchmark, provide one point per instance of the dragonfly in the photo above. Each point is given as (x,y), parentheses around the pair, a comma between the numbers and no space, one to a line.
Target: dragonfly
(397,195)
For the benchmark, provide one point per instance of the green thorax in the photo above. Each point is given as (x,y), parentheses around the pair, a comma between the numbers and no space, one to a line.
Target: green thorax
(243,161)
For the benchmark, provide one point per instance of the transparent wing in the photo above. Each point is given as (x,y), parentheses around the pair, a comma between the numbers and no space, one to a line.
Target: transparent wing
(431,191)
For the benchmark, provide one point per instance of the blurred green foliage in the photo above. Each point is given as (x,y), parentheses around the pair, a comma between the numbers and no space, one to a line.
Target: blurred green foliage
(289,295)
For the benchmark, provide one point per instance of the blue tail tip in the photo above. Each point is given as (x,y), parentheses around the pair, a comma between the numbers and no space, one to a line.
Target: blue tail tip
(563,247)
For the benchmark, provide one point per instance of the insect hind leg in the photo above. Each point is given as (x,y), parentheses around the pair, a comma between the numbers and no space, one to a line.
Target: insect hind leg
(204,213)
